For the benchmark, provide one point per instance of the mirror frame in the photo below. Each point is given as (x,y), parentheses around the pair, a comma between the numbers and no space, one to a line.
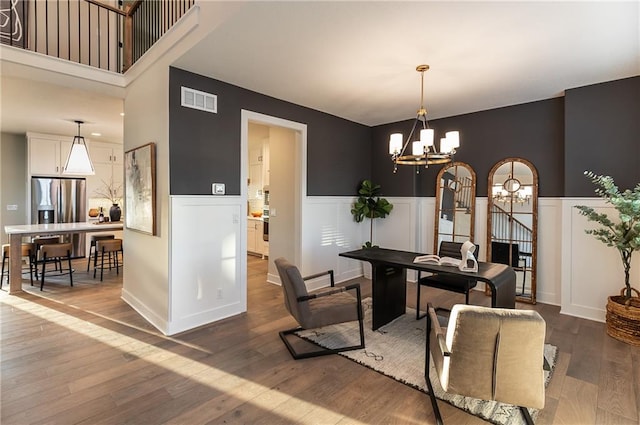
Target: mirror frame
(439,201)
(534,224)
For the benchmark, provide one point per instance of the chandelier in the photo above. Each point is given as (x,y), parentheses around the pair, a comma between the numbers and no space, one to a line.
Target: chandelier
(423,151)
(512,191)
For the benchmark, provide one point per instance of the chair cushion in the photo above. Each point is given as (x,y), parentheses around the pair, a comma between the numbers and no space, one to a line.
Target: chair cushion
(331,309)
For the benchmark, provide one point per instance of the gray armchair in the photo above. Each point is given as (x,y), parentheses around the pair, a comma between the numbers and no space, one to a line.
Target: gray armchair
(326,306)
(488,353)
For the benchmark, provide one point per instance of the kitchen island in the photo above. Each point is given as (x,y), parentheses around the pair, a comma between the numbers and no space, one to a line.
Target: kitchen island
(17,232)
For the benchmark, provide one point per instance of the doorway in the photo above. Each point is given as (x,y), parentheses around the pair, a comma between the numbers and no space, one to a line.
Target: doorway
(286,182)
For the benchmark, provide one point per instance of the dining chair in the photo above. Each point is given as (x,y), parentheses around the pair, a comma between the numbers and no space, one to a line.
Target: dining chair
(315,309)
(458,284)
(509,254)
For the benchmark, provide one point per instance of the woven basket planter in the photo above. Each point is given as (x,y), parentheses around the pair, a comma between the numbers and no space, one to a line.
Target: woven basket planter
(623,318)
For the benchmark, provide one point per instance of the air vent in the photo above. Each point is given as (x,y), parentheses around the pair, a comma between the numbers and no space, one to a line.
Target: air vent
(199,100)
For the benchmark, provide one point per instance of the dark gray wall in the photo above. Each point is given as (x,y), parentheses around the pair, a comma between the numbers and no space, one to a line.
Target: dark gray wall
(533,131)
(205,148)
(602,134)
(591,128)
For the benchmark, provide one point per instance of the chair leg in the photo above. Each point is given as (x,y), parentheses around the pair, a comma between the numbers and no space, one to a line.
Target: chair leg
(44,265)
(102,266)
(4,259)
(427,368)
(527,416)
(89,256)
(70,269)
(321,352)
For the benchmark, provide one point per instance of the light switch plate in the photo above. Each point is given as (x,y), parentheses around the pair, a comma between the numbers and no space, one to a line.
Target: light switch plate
(217,188)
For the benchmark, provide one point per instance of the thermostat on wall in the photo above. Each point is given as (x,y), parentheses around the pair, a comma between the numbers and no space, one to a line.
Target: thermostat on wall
(217,188)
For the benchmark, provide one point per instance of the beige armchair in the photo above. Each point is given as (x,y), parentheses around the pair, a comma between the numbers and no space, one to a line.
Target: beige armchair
(326,306)
(488,353)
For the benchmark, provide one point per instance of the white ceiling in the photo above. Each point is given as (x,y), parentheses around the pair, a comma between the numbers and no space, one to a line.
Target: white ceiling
(357,59)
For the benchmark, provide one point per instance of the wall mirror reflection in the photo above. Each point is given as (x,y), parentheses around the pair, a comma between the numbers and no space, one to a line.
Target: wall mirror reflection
(513,222)
(455,204)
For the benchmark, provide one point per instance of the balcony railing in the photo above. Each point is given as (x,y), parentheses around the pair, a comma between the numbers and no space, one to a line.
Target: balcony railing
(107,34)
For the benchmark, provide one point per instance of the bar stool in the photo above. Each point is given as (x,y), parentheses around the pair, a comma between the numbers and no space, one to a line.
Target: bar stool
(27,250)
(54,253)
(38,242)
(108,247)
(94,239)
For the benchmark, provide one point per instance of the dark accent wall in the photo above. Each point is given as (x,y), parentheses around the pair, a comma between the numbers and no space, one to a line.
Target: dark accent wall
(602,134)
(533,131)
(205,148)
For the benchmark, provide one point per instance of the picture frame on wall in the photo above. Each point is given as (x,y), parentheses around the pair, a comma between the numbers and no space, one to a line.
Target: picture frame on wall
(140,188)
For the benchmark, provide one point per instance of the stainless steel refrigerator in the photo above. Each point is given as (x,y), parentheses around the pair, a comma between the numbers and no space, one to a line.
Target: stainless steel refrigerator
(60,200)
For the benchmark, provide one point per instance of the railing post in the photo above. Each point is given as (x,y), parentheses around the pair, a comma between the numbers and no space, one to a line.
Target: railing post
(127,51)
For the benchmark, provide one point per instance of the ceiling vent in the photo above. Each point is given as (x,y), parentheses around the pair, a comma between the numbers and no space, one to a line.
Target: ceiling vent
(199,100)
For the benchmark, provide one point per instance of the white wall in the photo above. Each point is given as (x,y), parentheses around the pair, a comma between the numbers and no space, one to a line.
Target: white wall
(13,177)
(146,276)
(207,274)
(591,270)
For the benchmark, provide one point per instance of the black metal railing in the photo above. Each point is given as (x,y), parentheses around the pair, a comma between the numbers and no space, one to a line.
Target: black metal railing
(104,34)
(150,20)
(506,228)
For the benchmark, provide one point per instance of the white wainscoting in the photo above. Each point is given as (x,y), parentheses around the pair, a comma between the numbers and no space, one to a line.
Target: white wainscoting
(591,271)
(208,262)
(208,266)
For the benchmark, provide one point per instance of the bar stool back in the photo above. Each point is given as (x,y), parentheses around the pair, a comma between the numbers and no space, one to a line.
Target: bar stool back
(27,250)
(54,253)
(110,248)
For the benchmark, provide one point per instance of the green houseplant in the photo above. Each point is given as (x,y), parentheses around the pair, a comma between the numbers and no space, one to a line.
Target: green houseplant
(370,205)
(623,311)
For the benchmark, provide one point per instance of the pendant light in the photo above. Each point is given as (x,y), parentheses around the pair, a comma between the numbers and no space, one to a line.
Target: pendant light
(78,161)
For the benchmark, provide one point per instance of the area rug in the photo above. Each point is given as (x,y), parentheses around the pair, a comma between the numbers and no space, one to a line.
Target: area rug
(397,350)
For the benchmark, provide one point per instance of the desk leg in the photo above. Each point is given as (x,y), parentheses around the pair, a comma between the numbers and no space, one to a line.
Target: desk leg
(503,290)
(389,287)
(15,263)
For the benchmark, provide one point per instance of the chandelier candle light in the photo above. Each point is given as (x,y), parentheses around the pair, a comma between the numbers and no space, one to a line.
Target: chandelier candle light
(423,151)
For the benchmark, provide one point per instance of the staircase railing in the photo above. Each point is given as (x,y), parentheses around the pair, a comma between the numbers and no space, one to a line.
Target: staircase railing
(506,228)
(103,34)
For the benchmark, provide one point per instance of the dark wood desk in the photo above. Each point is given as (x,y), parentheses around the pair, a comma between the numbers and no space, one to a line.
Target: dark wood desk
(389,280)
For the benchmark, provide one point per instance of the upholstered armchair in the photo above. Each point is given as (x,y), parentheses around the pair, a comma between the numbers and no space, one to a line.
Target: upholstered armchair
(488,353)
(323,307)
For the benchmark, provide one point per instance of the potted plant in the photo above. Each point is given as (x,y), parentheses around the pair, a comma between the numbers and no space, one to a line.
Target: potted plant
(623,311)
(370,205)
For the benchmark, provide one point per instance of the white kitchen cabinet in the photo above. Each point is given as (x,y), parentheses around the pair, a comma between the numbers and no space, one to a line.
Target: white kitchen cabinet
(47,154)
(107,162)
(254,236)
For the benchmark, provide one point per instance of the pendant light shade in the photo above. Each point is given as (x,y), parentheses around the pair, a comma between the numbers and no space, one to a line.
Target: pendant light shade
(78,161)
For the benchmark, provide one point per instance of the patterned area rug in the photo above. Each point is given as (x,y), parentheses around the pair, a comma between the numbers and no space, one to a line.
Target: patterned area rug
(397,350)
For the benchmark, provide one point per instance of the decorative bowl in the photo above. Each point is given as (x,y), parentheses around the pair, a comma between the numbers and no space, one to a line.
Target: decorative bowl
(256,214)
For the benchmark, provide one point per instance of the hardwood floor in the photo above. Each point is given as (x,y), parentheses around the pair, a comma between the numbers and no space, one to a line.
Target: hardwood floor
(82,356)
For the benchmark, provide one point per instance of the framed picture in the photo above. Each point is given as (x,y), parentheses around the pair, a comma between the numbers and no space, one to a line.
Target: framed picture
(140,188)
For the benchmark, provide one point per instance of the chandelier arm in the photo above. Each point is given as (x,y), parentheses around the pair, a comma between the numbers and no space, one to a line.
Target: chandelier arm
(413,130)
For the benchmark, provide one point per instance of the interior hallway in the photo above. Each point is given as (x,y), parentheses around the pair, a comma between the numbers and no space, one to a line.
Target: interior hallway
(81,355)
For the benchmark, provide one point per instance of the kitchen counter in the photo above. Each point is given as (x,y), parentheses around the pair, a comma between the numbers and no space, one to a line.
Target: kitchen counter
(16,232)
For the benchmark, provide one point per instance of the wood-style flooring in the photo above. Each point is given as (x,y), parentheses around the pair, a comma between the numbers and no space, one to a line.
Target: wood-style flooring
(82,356)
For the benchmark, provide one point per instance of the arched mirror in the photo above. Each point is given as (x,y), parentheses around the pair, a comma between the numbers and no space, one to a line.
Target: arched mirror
(513,222)
(455,204)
